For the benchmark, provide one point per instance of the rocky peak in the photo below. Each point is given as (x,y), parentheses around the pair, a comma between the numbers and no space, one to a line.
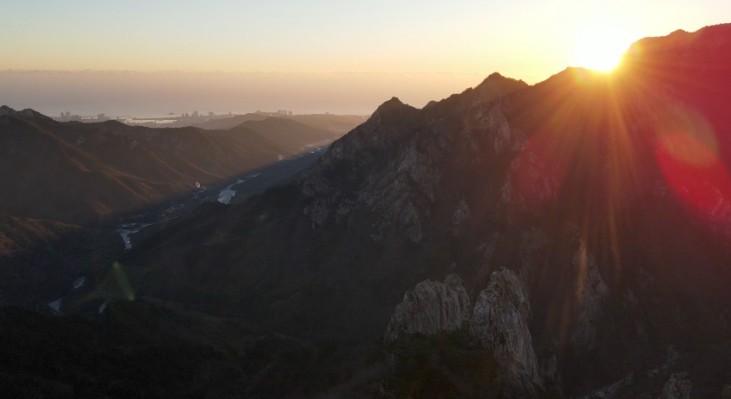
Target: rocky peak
(500,323)
(393,104)
(27,113)
(496,84)
(390,120)
(392,165)
(361,163)
(493,88)
(5,110)
(390,112)
(430,308)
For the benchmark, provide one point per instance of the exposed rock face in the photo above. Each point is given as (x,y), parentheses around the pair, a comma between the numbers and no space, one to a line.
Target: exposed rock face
(677,387)
(591,292)
(431,307)
(387,192)
(499,321)
(390,170)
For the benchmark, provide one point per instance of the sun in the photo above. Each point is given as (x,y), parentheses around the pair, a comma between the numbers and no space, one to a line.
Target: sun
(600,48)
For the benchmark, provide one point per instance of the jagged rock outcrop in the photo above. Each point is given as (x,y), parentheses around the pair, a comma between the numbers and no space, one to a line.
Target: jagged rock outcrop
(500,323)
(430,308)
(498,320)
(677,387)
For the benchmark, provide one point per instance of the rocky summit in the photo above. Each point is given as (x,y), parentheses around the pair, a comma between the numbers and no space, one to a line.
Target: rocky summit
(430,308)
(500,322)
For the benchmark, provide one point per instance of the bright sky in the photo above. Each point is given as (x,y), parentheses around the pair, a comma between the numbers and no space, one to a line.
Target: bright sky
(416,50)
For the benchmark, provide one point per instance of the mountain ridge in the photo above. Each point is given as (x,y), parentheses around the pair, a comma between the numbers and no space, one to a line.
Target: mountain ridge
(135,166)
(549,180)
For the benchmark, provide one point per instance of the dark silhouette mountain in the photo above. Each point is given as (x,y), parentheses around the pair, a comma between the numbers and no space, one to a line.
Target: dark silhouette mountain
(566,239)
(81,173)
(337,125)
(291,135)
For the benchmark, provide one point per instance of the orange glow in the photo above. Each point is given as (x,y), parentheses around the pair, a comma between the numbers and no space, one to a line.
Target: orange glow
(612,133)
(600,48)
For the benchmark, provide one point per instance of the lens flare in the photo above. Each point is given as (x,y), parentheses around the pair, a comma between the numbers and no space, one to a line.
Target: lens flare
(688,154)
(123,282)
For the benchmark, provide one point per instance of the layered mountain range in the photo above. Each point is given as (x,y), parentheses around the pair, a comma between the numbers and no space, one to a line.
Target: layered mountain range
(565,239)
(328,122)
(68,185)
(81,173)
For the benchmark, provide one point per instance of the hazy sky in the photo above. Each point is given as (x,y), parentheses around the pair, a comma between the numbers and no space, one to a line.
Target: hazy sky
(318,55)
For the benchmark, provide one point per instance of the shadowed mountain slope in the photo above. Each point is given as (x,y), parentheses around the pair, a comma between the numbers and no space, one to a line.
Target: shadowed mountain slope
(289,134)
(82,173)
(337,125)
(607,195)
